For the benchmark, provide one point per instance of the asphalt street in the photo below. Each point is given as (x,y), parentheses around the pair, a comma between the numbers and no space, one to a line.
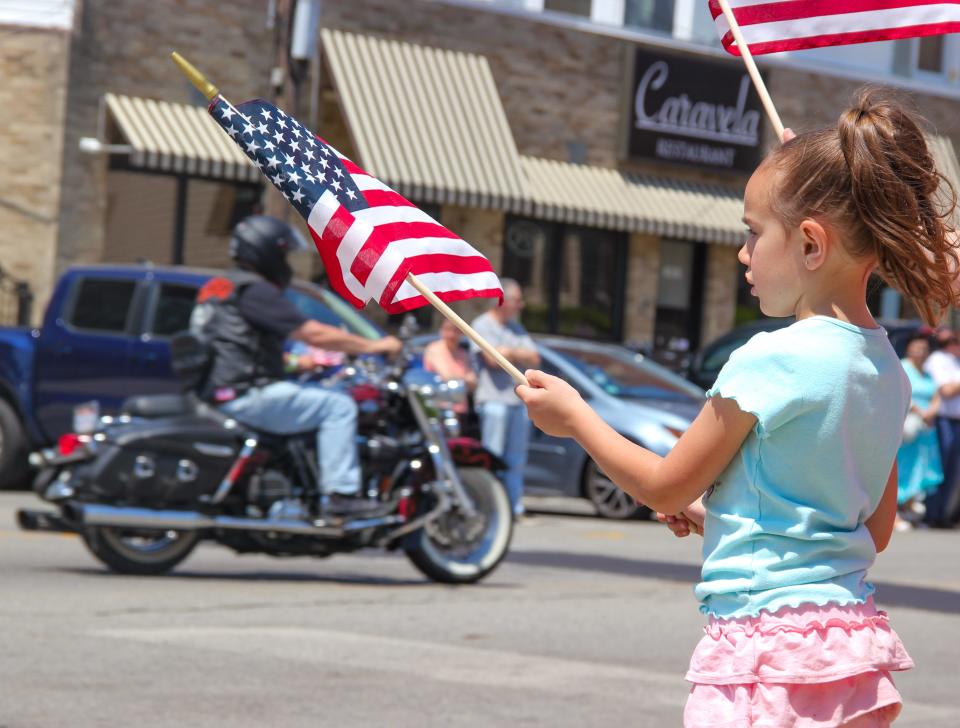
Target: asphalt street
(588,623)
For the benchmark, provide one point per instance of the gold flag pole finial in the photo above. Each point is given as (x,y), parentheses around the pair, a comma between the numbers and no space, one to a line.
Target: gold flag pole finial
(196,78)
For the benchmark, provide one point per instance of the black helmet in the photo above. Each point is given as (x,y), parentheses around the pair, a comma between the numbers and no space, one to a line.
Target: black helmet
(261,243)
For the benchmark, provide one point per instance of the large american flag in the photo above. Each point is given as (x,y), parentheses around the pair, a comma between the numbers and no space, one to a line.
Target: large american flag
(368,236)
(791,25)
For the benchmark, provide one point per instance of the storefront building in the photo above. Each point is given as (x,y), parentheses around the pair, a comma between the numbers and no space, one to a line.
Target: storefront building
(594,151)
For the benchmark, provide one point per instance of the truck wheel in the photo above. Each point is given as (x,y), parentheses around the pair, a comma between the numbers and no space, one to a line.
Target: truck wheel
(13,449)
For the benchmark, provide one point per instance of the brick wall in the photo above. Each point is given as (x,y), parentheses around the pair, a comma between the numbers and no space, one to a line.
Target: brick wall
(720,291)
(123,46)
(808,100)
(33,66)
(643,269)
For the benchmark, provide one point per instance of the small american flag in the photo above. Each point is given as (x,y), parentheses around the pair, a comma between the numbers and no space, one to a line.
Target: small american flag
(792,25)
(368,236)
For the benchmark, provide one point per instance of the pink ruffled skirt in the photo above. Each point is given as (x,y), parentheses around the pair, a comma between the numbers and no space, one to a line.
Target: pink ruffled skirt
(804,667)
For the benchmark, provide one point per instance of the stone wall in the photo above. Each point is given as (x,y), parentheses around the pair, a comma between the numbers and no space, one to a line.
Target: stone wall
(33,66)
(643,269)
(720,291)
(124,47)
(806,100)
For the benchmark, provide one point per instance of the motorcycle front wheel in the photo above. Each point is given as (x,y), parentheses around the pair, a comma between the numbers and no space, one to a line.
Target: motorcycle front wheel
(457,549)
(139,551)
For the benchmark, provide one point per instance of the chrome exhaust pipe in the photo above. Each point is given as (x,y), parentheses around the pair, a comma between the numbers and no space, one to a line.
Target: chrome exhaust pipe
(30,520)
(87,514)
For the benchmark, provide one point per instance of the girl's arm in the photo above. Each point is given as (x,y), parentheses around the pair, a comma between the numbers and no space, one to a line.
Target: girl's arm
(880,523)
(666,484)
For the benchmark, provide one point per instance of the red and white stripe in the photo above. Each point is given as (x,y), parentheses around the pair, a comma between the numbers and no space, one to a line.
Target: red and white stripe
(790,25)
(368,253)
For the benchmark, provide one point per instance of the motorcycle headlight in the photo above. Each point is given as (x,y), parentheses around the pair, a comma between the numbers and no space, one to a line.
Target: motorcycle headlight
(451,394)
(442,395)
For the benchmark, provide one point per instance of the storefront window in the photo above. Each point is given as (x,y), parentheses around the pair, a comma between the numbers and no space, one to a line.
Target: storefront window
(572,277)
(573,7)
(679,300)
(649,14)
(930,54)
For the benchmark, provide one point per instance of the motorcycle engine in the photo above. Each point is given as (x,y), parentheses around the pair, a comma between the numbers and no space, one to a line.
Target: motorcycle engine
(268,488)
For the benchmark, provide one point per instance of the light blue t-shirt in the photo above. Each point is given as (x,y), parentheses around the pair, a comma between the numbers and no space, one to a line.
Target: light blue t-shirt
(785,520)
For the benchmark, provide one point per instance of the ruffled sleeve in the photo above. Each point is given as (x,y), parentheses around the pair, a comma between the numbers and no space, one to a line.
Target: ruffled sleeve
(763,381)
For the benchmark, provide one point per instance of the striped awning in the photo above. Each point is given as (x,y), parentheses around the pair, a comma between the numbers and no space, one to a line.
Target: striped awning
(177,138)
(427,121)
(607,198)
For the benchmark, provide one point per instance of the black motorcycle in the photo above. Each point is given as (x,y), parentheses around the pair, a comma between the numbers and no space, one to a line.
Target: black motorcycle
(144,488)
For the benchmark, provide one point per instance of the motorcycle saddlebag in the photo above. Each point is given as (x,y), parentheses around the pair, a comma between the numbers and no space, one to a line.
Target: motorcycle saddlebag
(166,462)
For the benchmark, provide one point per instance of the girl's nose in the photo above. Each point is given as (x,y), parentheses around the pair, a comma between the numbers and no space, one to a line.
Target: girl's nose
(743,255)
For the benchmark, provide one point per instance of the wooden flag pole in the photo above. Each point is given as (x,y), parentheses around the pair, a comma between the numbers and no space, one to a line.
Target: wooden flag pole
(752,69)
(211,91)
(467,329)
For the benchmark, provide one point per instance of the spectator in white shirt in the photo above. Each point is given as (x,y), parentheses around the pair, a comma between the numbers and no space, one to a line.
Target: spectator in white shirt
(943,365)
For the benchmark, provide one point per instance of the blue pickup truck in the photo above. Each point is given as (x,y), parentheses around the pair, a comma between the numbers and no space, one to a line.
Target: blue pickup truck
(105,336)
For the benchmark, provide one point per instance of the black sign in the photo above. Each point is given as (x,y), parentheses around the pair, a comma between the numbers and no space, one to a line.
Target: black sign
(692,111)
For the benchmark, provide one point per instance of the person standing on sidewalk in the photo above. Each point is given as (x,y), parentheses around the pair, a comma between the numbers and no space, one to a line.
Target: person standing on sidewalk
(943,366)
(504,426)
(919,472)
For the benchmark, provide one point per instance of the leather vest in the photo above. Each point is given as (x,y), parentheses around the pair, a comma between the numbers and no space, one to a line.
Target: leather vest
(241,355)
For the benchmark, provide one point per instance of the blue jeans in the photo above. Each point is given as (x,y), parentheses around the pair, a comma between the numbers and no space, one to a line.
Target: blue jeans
(285,408)
(505,431)
(943,505)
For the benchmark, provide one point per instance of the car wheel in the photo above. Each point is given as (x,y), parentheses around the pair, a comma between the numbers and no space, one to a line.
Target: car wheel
(13,449)
(607,498)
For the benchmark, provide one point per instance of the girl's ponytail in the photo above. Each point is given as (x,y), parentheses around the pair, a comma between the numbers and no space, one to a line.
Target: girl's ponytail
(879,184)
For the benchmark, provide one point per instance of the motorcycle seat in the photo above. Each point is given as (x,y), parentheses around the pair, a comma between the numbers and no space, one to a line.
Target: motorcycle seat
(158,405)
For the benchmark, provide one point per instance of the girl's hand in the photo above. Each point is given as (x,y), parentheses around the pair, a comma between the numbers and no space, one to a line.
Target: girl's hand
(689,520)
(678,525)
(553,405)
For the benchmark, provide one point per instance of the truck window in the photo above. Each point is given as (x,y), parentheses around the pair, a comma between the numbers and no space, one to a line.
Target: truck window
(174,306)
(102,304)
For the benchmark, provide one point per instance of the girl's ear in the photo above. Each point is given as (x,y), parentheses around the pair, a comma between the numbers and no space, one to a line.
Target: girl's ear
(815,242)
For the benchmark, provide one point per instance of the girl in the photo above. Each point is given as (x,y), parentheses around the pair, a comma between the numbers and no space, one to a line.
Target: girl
(789,470)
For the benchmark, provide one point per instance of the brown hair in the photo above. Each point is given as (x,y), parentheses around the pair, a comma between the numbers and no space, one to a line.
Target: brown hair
(872,176)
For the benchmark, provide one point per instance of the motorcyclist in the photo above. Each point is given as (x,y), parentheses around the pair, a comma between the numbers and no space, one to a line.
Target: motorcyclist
(245,319)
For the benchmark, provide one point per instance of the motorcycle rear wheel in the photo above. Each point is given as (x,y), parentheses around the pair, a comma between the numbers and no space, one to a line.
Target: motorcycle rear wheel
(139,551)
(457,550)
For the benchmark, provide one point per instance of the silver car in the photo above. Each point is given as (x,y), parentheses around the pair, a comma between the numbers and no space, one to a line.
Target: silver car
(641,400)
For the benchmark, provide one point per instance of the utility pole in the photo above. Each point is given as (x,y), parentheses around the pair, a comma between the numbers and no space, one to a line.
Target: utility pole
(281,91)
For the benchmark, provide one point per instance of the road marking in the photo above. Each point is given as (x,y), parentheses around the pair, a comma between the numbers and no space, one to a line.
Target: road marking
(35,534)
(606,535)
(441,662)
